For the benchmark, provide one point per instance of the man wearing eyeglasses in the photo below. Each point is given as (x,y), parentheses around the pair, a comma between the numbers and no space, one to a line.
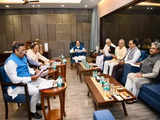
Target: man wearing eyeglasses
(150,68)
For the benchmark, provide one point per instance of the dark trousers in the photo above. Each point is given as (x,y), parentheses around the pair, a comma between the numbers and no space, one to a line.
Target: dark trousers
(117,72)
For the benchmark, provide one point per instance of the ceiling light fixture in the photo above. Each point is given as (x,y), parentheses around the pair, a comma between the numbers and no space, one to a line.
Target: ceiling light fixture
(60,1)
(86,6)
(7,6)
(62,5)
(148,4)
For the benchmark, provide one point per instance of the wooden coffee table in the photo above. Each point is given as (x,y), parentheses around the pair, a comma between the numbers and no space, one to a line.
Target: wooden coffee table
(101,99)
(81,69)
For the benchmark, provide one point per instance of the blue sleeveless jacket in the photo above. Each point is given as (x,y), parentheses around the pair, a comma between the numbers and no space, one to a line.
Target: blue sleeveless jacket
(22,66)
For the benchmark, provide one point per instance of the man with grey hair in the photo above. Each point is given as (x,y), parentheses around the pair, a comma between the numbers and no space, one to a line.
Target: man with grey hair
(150,68)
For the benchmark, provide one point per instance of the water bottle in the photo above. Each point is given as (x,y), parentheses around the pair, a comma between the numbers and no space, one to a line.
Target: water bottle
(107,86)
(102,81)
(64,61)
(59,81)
(62,56)
(54,66)
(95,74)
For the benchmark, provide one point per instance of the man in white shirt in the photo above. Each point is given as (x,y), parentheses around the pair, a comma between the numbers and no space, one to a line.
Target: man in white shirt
(131,57)
(120,53)
(18,71)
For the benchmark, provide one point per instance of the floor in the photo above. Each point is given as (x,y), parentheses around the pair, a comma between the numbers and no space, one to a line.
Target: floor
(80,107)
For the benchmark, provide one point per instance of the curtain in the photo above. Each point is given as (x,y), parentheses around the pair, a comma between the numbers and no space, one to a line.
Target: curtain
(95,30)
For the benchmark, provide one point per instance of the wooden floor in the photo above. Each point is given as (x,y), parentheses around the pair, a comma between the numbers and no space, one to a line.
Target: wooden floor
(80,107)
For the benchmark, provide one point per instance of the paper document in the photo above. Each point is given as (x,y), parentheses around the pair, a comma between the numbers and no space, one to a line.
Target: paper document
(46,84)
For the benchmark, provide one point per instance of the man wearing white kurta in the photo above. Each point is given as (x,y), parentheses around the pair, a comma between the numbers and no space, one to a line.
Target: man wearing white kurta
(79,52)
(34,54)
(17,69)
(107,51)
(150,68)
(120,53)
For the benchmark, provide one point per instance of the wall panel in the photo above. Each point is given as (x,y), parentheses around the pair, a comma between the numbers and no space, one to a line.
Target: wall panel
(56,26)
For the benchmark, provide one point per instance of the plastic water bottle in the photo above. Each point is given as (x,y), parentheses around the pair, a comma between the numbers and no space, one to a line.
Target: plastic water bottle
(59,81)
(54,66)
(107,86)
(102,80)
(95,74)
(64,61)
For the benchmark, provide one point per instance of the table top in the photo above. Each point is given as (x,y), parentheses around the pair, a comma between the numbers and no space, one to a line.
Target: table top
(84,69)
(53,91)
(101,97)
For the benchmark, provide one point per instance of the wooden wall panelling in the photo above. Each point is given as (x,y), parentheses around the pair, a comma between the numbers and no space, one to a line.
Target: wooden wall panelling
(3,42)
(85,34)
(73,28)
(43,30)
(52,18)
(79,32)
(57,27)
(17,27)
(51,32)
(26,27)
(59,18)
(35,31)
(155,25)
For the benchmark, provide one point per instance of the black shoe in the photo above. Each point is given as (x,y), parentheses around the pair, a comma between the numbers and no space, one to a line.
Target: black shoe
(36,115)
(39,107)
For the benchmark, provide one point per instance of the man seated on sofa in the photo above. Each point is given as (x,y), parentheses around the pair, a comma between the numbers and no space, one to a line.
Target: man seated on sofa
(150,68)
(120,53)
(79,52)
(17,69)
(131,57)
(107,53)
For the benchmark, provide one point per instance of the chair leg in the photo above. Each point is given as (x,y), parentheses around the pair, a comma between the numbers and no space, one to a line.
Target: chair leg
(18,105)
(6,110)
(29,112)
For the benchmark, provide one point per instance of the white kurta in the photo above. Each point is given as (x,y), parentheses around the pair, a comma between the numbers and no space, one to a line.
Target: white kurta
(134,84)
(109,65)
(100,58)
(36,56)
(78,58)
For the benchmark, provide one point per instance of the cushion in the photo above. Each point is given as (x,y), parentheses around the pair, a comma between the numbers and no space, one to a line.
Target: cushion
(153,90)
(144,54)
(19,99)
(103,115)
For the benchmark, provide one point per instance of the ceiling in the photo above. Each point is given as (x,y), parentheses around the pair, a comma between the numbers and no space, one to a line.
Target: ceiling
(86,4)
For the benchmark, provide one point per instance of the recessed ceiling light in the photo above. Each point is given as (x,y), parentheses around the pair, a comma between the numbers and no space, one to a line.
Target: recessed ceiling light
(62,5)
(60,1)
(85,6)
(7,6)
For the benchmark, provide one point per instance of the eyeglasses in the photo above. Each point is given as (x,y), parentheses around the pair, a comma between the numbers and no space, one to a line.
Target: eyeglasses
(153,48)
